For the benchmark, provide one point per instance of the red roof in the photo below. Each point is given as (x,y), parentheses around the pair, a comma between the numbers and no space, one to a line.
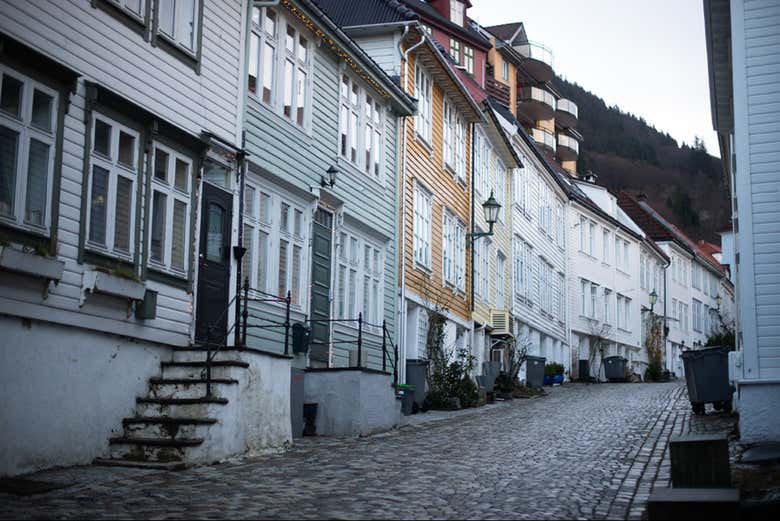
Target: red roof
(473,88)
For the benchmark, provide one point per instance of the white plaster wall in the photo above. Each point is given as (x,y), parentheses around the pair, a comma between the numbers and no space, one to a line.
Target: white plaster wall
(759,416)
(66,391)
(352,403)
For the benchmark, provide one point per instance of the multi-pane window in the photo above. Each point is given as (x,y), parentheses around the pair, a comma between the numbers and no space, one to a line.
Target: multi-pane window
(560,227)
(482,270)
(500,280)
(453,251)
(423,201)
(518,248)
(522,187)
(697,316)
(546,286)
(584,290)
(594,300)
(275,235)
(642,271)
(561,289)
(456,12)
(423,88)
(592,238)
(27,140)
(622,254)
(170,210)
(359,278)
(468,59)
(454,140)
(132,7)
(279,62)
(455,50)
(482,159)
(500,188)
(177,20)
(605,245)
(113,173)
(607,305)
(623,312)
(360,124)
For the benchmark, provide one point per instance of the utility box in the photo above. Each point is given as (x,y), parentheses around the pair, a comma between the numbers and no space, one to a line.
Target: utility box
(146,308)
(301,337)
(700,461)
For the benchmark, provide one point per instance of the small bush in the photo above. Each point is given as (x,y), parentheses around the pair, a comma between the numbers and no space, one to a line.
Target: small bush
(553,369)
(453,384)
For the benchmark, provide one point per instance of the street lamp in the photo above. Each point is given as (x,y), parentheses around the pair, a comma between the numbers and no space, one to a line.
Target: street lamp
(491,207)
(653,300)
(332,172)
(718,301)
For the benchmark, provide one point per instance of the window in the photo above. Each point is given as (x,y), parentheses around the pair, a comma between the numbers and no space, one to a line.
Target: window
(455,50)
(592,238)
(697,316)
(28,126)
(624,312)
(605,245)
(135,8)
(561,289)
(500,281)
(584,290)
(170,210)
(112,188)
(521,187)
(360,128)
(456,12)
(583,233)
(468,59)
(482,158)
(546,287)
(607,306)
(360,278)
(276,230)
(626,262)
(177,20)
(279,61)
(423,88)
(423,201)
(594,300)
(518,248)
(505,71)
(454,251)
(500,188)
(454,140)
(642,271)
(560,229)
(482,269)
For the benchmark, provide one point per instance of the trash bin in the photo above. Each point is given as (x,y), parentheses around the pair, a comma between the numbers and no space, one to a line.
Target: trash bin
(534,371)
(407,400)
(707,378)
(615,368)
(416,376)
(300,338)
(584,371)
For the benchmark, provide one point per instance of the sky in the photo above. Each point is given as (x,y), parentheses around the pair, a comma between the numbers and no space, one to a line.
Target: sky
(647,57)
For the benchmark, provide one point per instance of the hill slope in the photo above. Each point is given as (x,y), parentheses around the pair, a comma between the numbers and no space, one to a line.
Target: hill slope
(683,182)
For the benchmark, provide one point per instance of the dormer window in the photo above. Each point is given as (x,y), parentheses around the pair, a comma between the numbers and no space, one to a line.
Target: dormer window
(456,12)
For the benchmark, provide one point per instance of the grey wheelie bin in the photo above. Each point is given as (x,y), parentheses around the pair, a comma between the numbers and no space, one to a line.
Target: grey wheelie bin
(707,378)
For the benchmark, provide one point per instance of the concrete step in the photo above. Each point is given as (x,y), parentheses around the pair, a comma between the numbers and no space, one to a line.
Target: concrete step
(693,503)
(165,427)
(148,465)
(180,407)
(188,387)
(221,370)
(162,450)
(194,354)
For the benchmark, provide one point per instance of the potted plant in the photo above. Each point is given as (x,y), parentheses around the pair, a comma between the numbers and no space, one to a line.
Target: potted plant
(553,373)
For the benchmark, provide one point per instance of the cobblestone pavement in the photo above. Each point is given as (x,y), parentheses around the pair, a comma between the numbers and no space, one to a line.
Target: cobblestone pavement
(583,451)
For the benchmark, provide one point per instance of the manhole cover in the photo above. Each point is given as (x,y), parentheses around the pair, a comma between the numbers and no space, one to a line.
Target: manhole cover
(27,487)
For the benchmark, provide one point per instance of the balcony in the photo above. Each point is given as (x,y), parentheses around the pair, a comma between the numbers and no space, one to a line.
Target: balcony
(539,60)
(536,103)
(568,148)
(500,91)
(566,113)
(544,138)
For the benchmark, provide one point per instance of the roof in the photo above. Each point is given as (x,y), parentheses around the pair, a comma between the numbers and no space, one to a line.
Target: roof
(717,26)
(429,12)
(660,229)
(400,98)
(512,33)
(367,12)
(708,247)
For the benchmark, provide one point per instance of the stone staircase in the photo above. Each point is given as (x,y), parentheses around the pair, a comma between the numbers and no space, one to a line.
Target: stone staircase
(177,422)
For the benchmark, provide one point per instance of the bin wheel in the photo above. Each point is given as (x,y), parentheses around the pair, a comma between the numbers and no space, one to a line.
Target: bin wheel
(728,406)
(698,408)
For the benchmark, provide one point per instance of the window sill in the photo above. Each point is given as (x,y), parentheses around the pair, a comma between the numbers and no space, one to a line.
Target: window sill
(423,143)
(170,278)
(423,268)
(95,281)
(31,264)
(187,57)
(268,112)
(106,259)
(137,25)
(624,273)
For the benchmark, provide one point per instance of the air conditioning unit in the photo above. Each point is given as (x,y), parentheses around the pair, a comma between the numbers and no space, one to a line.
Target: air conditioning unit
(501,321)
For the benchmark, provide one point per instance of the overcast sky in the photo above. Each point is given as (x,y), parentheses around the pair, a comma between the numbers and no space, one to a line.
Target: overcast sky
(648,57)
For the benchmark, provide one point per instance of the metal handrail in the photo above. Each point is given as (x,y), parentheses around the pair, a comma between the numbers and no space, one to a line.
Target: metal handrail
(568,141)
(537,94)
(536,51)
(567,105)
(544,137)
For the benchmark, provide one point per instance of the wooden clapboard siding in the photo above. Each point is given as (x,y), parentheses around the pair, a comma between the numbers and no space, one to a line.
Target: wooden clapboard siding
(105,51)
(426,165)
(294,159)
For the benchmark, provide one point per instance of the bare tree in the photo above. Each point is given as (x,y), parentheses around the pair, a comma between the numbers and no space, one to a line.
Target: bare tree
(599,342)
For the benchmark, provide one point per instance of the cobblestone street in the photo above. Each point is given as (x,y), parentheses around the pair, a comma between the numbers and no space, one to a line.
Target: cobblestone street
(583,451)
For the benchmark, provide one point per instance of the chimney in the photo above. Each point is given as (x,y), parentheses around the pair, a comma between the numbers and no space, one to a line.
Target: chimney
(589,177)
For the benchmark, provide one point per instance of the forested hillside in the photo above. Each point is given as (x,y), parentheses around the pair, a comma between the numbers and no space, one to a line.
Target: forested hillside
(683,181)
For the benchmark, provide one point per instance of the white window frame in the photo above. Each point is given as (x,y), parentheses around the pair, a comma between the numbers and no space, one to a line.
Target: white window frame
(504,70)
(423,215)
(457,12)
(500,302)
(500,188)
(455,48)
(172,195)
(368,113)
(270,226)
(482,164)
(26,131)
(115,170)
(606,237)
(282,55)
(468,59)
(365,258)
(180,24)
(423,119)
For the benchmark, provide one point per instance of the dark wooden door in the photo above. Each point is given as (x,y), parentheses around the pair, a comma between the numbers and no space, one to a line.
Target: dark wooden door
(213,265)
(322,241)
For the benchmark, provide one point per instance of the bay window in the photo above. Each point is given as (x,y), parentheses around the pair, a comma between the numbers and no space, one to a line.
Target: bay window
(28,128)
(279,65)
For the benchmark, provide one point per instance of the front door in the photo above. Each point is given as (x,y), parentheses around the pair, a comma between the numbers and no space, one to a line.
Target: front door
(213,265)
(322,241)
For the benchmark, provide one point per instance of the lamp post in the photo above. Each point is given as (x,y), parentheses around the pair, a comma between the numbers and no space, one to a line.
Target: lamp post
(653,300)
(718,301)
